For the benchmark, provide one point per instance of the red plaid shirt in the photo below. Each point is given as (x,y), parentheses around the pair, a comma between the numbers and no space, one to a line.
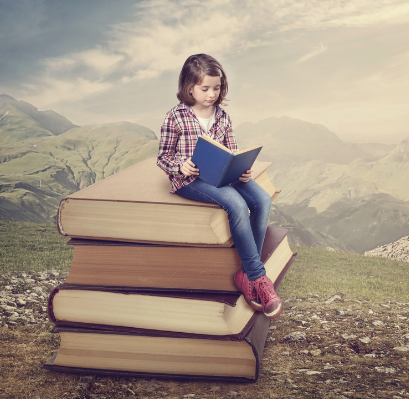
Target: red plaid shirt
(179,135)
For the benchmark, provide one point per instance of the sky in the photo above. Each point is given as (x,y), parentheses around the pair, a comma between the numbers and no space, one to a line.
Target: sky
(341,63)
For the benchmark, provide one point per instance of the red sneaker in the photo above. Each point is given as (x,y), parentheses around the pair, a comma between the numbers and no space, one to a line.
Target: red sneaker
(272,306)
(247,289)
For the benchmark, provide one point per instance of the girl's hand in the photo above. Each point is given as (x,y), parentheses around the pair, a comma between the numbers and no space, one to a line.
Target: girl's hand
(188,168)
(245,177)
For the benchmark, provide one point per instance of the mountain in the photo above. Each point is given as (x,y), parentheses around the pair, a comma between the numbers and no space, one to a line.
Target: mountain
(153,124)
(304,236)
(288,141)
(363,204)
(20,121)
(36,173)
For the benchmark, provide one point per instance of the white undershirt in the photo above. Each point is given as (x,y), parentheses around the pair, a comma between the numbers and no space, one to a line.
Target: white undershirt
(207,123)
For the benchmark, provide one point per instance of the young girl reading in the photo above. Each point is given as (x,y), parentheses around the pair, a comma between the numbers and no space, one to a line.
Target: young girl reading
(202,89)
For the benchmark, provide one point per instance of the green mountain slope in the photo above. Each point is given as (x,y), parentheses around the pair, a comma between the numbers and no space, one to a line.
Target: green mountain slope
(36,173)
(20,121)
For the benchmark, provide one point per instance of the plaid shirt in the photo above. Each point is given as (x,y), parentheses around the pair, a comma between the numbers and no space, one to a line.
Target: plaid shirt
(179,135)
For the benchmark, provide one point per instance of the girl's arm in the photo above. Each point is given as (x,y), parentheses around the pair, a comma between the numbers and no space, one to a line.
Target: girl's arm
(167,159)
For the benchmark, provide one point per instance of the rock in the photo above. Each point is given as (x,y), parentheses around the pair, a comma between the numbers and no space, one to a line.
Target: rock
(296,336)
(309,371)
(189,395)
(398,250)
(365,340)
(348,336)
(214,388)
(232,393)
(333,298)
(304,352)
(377,323)
(401,348)
(316,352)
(387,370)
(20,302)
(370,355)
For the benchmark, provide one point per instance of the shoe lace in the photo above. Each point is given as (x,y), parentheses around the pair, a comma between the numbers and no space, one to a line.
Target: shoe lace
(265,292)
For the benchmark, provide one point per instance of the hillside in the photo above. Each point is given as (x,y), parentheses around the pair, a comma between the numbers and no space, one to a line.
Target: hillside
(20,121)
(363,204)
(36,173)
(288,141)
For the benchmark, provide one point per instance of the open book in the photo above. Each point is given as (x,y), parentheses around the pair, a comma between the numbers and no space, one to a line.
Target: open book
(217,165)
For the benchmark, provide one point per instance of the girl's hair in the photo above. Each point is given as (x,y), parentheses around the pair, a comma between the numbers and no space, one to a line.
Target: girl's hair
(193,71)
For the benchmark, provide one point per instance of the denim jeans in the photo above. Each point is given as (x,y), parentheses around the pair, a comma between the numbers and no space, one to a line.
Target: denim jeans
(247,231)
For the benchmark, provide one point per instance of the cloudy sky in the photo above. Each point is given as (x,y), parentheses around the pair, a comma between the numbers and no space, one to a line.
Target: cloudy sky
(342,63)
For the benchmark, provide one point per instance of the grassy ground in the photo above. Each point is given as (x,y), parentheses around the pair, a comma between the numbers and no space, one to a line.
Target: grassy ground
(32,247)
(343,367)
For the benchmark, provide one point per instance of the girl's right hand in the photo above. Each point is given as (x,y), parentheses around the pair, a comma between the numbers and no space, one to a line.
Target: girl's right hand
(188,168)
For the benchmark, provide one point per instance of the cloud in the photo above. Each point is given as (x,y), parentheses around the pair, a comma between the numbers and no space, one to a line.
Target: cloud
(311,54)
(163,33)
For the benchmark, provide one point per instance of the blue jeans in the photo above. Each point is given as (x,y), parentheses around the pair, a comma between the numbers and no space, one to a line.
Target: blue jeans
(247,231)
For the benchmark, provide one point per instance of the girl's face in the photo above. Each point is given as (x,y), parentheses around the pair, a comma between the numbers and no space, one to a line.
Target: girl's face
(207,91)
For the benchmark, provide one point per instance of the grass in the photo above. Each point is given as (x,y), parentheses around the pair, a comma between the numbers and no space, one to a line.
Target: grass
(325,273)
(32,247)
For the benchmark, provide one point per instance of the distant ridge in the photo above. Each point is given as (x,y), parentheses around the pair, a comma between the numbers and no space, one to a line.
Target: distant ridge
(20,120)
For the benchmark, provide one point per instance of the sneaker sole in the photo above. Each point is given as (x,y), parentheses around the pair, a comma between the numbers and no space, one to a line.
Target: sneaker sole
(255,306)
(276,313)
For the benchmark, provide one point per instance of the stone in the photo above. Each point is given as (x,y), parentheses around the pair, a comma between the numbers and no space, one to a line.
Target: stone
(365,340)
(333,298)
(296,336)
(348,336)
(387,370)
(401,348)
(377,323)
(370,355)
(316,352)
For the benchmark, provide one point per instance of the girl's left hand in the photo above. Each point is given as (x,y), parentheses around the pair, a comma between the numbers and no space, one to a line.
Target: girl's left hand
(245,177)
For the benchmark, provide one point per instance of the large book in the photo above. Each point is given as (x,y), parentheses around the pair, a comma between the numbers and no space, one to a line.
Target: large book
(189,314)
(109,353)
(136,205)
(139,267)
(217,165)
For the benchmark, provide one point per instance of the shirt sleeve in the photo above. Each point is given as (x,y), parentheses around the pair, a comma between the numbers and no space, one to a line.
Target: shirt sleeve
(229,140)
(167,159)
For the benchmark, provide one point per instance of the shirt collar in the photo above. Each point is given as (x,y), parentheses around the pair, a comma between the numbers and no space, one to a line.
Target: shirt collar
(219,111)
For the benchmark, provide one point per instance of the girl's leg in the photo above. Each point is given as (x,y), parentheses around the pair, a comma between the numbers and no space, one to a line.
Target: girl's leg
(259,204)
(241,225)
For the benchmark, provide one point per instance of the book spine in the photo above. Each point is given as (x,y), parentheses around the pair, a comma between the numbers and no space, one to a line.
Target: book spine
(224,171)
(50,307)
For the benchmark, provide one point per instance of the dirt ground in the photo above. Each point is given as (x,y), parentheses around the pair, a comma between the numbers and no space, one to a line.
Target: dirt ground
(318,348)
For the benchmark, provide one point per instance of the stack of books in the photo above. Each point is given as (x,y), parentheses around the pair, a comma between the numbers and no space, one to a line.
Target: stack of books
(150,292)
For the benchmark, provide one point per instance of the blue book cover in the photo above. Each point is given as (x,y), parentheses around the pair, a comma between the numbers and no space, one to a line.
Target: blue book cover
(217,165)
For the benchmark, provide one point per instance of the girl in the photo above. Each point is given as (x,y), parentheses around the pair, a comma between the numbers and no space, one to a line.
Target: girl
(202,88)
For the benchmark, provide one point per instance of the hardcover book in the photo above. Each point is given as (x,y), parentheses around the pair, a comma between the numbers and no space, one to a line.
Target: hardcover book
(136,205)
(192,314)
(109,353)
(138,267)
(217,165)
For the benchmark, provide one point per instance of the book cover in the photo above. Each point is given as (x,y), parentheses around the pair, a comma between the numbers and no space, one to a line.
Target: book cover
(217,165)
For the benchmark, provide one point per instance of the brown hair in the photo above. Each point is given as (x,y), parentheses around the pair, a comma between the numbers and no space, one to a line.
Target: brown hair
(193,71)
